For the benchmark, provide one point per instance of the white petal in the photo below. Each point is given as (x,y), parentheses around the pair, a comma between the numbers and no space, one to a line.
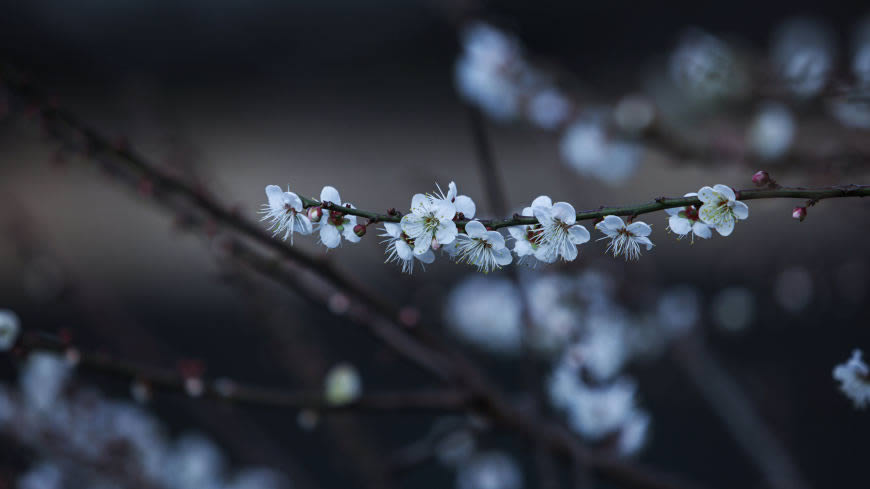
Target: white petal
(613,223)
(702,230)
(707,194)
(393,229)
(275,196)
(564,212)
(503,256)
(543,215)
(330,194)
(302,224)
(444,210)
(639,228)
(294,201)
(495,239)
(680,225)
(446,232)
(569,251)
(545,254)
(329,236)
(644,241)
(579,234)
(419,203)
(726,227)
(542,201)
(465,205)
(708,213)
(673,211)
(422,245)
(523,248)
(349,234)
(412,225)
(475,229)
(741,210)
(404,251)
(518,232)
(427,257)
(528,212)
(725,190)
(691,194)
(451,191)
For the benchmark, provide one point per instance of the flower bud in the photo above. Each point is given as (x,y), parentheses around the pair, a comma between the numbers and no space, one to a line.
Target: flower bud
(761,178)
(799,213)
(315,213)
(359,230)
(435,244)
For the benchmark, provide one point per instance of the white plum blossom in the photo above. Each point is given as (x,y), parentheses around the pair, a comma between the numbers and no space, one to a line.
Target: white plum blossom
(481,248)
(590,148)
(9,328)
(336,224)
(685,220)
(633,433)
(463,203)
(430,222)
(486,312)
(772,131)
(625,240)
(559,235)
(525,242)
(400,248)
(720,209)
(854,377)
(489,470)
(285,213)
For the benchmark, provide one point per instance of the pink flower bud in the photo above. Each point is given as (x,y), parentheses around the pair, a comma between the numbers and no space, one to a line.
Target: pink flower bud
(799,213)
(761,178)
(315,213)
(359,230)
(435,244)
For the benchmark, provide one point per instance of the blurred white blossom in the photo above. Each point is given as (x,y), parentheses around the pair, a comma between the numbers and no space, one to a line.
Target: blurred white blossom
(854,377)
(706,68)
(803,53)
(772,131)
(679,309)
(485,311)
(588,148)
(734,308)
(9,329)
(342,384)
(794,289)
(489,470)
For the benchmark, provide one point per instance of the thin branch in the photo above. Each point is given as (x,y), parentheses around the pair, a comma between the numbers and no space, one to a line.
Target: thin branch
(426,401)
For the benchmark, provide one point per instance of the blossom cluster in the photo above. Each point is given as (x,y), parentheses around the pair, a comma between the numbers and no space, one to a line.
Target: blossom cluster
(57,418)
(446,222)
(854,377)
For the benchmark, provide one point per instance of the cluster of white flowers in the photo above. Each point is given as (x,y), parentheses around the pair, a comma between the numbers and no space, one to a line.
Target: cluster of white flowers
(445,221)
(49,415)
(854,377)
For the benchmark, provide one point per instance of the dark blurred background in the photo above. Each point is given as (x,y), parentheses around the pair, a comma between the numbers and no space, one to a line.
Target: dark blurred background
(361,96)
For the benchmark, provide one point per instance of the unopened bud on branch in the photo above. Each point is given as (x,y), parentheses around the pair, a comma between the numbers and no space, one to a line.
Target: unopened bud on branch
(761,178)
(799,213)
(359,230)
(315,213)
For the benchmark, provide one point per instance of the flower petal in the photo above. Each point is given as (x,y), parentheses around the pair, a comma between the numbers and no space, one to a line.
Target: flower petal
(644,241)
(725,190)
(393,229)
(465,205)
(329,236)
(691,194)
(419,203)
(564,212)
(680,225)
(475,229)
(569,251)
(275,196)
(404,250)
(451,191)
(302,224)
(673,211)
(330,194)
(528,212)
(542,201)
(639,228)
(427,257)
(579,234)
(294,201)
(518,232)
(543,214)
(613,223)
(443,210)
(726,227)
(523,248)
(740,210)
(707,194)
(412,225)
(422,245)
(503,256)
(495,239)
(702,230)
(349,235)
(446,232)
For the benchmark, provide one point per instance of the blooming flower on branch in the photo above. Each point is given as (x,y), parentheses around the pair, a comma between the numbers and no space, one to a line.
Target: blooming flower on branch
(463,203)
(685,220)
(625,240)
(524,236)
(400,248)
(430,222)
(559,236)
(284,211)
(854,377)
(336,224)
(721,210)
(482,248)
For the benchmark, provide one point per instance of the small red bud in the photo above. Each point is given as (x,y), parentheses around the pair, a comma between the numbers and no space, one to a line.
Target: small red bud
(392,211)
(799,213)
(359,230)
(315,213)
(761,178)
